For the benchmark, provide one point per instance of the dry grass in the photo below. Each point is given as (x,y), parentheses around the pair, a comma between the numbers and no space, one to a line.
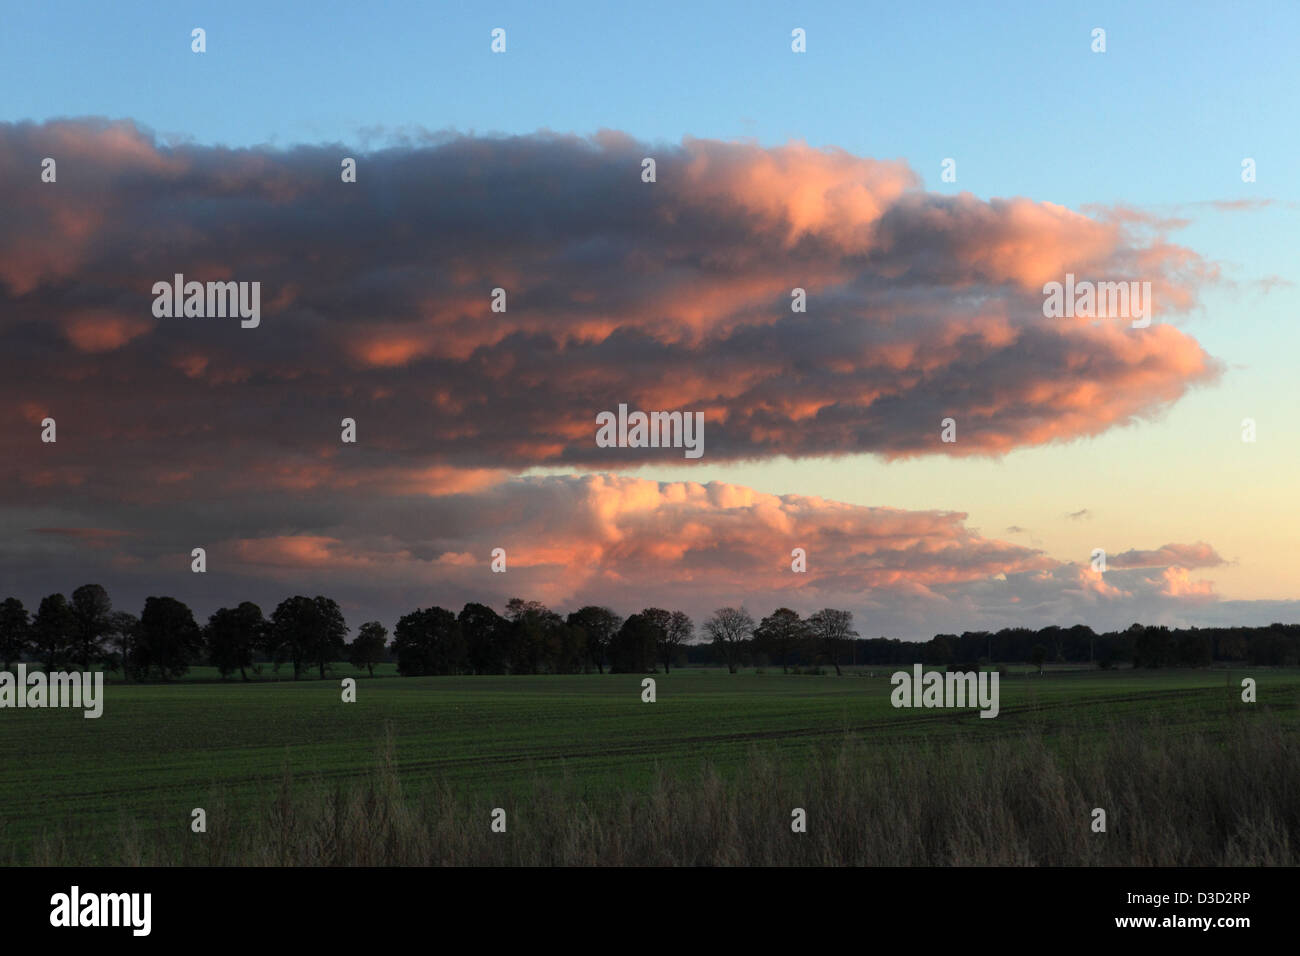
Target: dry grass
(1172,799)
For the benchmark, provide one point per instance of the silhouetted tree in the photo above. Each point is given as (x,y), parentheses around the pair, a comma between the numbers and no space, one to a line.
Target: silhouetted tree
(729,628)
(91,618)
(676,635)
(1053,639)
(428,642)
(632,649)
(123,630)
(780,634)
(598,625)
(1192,649)
(659,620)
(1232,646)
(672,630)
(367,648)
(15,631)
(1151,647)
(52,630)
(832,630)
(329,638)
(565,648)
(939,650)
(289,636)
(530,632)
(233,637)
(169,639)
(486,640)
(1079,637)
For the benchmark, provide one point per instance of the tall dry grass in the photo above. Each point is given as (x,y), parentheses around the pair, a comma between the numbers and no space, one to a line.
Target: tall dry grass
(1172,799)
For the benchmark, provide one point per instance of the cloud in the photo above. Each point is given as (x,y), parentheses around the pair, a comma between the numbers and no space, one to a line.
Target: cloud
(1176,582)
(93,537)
(1241,205)
(667,295)
(628,542)
(1197,555)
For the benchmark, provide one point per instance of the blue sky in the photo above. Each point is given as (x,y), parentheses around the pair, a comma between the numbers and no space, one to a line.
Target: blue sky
(1014,91)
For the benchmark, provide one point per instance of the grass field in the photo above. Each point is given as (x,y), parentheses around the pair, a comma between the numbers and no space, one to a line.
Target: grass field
(160,750)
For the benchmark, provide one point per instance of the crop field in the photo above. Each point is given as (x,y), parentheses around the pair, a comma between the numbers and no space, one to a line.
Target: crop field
(160,750)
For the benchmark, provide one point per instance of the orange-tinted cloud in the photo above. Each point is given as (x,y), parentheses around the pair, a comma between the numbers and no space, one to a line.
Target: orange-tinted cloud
(672,295)
(99,330)
(1195,555)
(1176,582)
(633,542)
(610,539)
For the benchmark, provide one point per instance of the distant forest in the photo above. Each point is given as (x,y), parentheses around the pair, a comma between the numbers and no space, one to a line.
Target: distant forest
(308,634)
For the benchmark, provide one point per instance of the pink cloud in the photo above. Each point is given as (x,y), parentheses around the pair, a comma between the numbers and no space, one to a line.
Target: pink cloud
(1195,555)
(670,295)
(98,330)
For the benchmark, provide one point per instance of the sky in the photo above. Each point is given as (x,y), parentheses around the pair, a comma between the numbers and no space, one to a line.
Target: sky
(775,170)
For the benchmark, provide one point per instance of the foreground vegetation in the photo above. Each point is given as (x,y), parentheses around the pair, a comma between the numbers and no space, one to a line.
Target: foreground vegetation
(709,773)
(1171,799)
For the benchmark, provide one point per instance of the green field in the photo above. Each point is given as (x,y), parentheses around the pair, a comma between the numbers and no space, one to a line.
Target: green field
(160,750)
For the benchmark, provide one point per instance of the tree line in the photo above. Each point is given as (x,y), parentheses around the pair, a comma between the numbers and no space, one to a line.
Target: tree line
(1145,646)
(165,640)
